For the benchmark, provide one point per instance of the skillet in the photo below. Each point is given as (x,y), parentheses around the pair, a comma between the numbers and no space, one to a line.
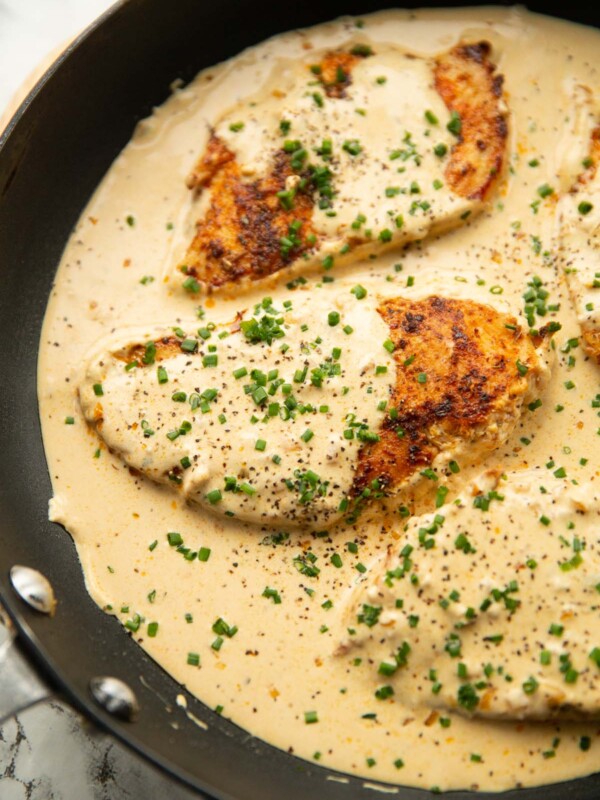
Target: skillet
(52,155)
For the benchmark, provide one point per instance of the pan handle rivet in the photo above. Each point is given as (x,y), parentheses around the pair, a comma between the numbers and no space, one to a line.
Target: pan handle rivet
(34,588)
(115,696)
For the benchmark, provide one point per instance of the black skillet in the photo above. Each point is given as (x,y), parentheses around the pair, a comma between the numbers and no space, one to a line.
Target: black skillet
(55,151)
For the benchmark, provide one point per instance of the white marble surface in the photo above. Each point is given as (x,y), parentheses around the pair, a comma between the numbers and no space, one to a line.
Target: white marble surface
(49,752)
(31,29)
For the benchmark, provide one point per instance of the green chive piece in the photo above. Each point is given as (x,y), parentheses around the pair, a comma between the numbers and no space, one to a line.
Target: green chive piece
(214,496)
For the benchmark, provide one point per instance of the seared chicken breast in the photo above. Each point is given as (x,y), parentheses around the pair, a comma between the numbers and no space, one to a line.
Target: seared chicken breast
(350,154)
(578,215)
(488,607)
(280,419)
(467,82)
(464,372)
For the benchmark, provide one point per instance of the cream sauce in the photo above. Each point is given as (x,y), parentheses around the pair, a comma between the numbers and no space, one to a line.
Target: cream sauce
(268,664)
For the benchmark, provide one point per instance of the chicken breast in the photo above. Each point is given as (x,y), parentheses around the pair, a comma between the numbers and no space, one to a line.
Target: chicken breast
(464,373)
(280,420)
(350,154)
(488,607)
(578,215)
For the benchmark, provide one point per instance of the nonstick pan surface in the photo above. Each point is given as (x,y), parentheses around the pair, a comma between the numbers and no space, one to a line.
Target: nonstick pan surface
(52,156)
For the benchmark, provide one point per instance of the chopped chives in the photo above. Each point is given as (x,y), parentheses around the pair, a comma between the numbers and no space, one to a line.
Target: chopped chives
(204,554)
(555,629)
(455,124)
(189,345)
(352,147)
(191,285)
(272,594)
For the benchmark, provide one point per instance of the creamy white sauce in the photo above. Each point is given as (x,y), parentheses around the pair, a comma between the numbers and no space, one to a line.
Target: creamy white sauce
(280,663)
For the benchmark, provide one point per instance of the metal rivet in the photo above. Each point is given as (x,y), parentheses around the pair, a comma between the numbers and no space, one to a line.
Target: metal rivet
(34,588)
(115,696)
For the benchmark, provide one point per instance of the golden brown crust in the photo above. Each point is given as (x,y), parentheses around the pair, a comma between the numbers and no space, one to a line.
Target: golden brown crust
(241,233)
(167,347)
(466,81)
(591,341)
(335,72)
(593,160)
(469,359)
(214,158)
(590,335)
